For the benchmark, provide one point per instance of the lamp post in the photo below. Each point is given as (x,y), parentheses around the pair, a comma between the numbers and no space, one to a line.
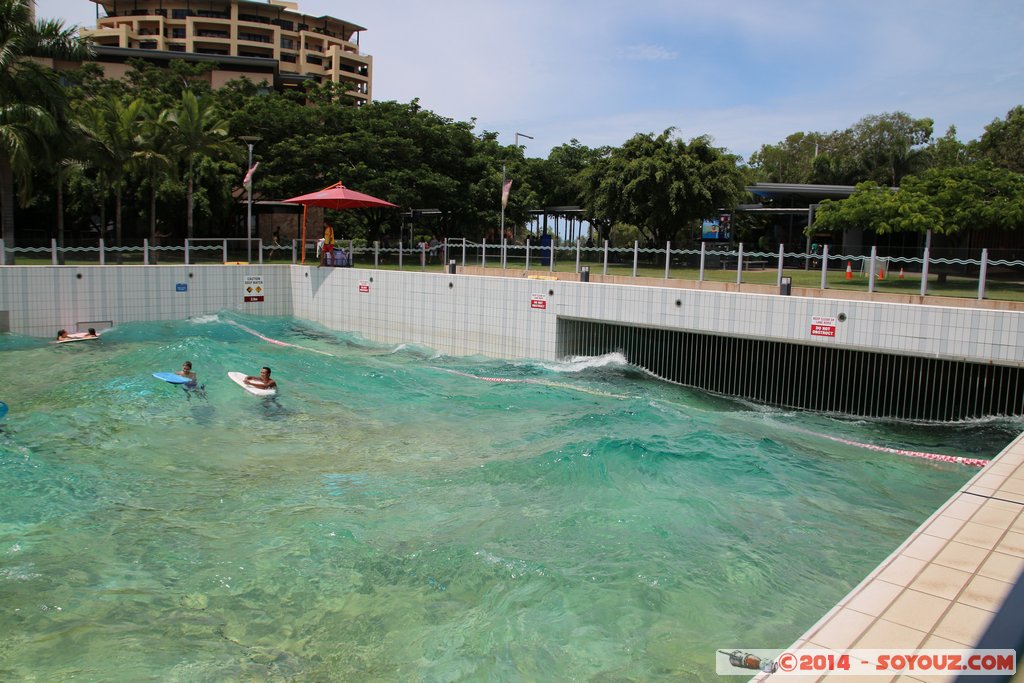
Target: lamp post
(517,136)
(249,140)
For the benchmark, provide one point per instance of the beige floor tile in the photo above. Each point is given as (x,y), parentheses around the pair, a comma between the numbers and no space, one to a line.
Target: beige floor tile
(985,593)
(841,631)
(963,624)
(887,634)
(1002,567)
(979,490)
(902,570)
(916,610)
(875,598)
(960,556)
(942,582)
(963,507)
(1012,485)
(979,535)
(997,513)
(944,527)
(934,642)
(924,547)
(933,678)
(1011,544)
(1009,495)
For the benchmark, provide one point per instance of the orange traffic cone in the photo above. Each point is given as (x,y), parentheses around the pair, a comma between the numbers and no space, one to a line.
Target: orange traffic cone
(901,272)
(881,273)
(849,270)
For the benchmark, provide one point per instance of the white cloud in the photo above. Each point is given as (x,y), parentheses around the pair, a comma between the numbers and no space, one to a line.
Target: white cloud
(649,53)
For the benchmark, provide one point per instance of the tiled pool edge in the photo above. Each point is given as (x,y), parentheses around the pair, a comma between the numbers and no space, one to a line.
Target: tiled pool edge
(944,585)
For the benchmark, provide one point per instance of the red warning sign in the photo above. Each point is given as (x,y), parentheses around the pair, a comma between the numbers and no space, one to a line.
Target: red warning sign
(822,326)
(538,301)
(364,286)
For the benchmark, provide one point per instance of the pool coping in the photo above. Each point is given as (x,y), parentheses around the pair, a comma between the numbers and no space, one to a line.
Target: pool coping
(944,585)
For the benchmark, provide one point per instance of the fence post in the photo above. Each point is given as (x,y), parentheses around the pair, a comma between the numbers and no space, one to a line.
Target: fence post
(483,253)
(739,265)
(703,253)
(824,267)
(781,256)
(983,274)
(3,254)
(504,253)
(186,253)
(871,275)
(376,253)
(605,257)
(527,254)
(53,251)
(463,252)
(259,245)
(577,254)
(103,253)
(668,256)
(294,256)
(924,272)
(145,251)
(423,256)
(401,250)
(636,255)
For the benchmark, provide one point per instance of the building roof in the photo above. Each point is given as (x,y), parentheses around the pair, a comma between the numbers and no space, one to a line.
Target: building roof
(801,190)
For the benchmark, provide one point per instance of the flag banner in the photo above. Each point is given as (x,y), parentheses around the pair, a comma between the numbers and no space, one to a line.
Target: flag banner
(504,192)
(248,176)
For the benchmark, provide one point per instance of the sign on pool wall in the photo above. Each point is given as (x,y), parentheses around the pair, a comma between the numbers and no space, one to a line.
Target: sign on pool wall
(822,326)
(253,288)
(538,301)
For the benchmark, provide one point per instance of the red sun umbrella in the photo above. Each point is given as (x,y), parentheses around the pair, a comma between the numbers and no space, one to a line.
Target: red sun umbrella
(337,196)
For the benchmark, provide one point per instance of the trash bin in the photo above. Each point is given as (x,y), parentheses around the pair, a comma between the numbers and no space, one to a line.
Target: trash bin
(585,274)
(786,286)
(451,266)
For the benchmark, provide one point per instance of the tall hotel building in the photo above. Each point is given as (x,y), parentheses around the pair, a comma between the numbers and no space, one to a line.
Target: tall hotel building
(269,41)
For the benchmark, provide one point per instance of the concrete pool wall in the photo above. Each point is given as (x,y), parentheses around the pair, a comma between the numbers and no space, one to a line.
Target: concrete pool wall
(493,316)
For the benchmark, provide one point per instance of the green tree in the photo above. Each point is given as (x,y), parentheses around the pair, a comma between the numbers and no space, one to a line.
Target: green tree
(946,201)
(1003,141)
(197,129)
(30,96)
(891,146)
(114,131)
(663,185)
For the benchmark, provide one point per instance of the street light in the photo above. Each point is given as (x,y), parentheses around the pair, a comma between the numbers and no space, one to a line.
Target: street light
(522,135)
(249,140)
(517,136)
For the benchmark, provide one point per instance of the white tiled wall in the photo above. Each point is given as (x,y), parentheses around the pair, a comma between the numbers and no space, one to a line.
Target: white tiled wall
(43,299)
(498,317)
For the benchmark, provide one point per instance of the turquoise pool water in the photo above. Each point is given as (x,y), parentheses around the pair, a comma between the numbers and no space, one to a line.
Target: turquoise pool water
(391,517)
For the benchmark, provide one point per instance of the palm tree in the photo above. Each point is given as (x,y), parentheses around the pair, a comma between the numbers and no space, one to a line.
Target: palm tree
(152,160)
(114,131)
(30,96)
(198,129)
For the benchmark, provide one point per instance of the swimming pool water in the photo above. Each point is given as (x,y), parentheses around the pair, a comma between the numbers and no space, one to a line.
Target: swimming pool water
(391,516)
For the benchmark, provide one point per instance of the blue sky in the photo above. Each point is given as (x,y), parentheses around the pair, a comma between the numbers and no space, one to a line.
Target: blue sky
(744,72)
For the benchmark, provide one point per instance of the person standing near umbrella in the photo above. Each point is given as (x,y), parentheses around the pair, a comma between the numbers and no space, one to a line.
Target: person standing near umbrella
(328,252)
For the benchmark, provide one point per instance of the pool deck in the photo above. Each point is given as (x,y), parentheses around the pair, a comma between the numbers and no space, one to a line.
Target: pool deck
(943,586)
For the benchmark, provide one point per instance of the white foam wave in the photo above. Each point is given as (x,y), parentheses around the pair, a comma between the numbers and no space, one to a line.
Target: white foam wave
(581,363)
(205,319)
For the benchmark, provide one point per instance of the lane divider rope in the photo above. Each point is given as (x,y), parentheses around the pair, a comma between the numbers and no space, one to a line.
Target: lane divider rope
(276,341)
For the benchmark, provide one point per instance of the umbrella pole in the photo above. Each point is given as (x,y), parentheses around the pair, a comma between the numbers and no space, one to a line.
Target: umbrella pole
(304,234)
